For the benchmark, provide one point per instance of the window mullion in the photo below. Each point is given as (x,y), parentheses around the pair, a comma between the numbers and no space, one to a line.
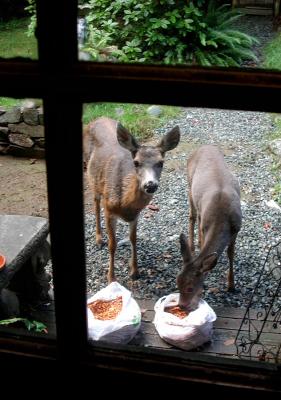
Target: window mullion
(65,194)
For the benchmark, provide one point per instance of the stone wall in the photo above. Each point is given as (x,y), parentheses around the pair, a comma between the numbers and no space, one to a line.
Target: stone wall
(22,131)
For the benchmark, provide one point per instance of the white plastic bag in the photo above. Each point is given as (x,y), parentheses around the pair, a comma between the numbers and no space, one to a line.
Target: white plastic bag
(124,327)
(186,333)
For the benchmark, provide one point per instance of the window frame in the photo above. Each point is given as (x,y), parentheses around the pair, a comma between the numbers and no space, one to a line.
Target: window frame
(64,84)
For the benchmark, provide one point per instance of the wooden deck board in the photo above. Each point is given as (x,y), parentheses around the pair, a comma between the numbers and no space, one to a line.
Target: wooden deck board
(222,344)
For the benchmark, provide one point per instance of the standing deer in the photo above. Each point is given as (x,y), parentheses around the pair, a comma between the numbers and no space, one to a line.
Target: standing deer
(125,175)
(214,198)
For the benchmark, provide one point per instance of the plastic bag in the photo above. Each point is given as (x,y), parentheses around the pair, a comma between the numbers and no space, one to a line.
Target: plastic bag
(186,333)
(124,327)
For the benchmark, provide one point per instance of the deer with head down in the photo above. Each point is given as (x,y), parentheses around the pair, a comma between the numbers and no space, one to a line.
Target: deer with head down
(214,199)
(124,175)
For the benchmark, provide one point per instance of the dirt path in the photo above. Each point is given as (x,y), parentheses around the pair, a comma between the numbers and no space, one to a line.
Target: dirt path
(23,188)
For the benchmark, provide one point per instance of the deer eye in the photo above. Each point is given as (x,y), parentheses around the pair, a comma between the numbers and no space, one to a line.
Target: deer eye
(160,164)
(137,164)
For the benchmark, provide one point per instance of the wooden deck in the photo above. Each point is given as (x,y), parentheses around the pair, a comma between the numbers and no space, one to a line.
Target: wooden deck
(223,342)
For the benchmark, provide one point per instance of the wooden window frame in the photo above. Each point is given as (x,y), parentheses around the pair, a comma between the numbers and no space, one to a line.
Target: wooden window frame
(65,84)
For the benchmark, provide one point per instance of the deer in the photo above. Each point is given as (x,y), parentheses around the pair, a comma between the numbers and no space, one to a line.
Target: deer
(123,176)
(214,201)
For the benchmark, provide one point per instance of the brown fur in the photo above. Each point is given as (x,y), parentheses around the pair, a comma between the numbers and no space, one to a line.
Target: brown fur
(116,171)
(214,198)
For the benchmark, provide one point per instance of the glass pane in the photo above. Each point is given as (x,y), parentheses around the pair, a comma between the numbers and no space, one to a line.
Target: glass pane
(17,25)
(204,33)
(26,277)
(245,143)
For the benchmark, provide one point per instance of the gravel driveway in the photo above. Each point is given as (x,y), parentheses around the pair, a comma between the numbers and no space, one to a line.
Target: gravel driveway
(243,138)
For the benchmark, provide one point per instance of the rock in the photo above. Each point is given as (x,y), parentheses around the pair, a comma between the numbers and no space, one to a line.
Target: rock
(273,204)
(83,56)
(4,148)
(40,142)
(32,103)
(30,116)
(119,111)
(21,139)
(32,131)
(41,116)
(4,133)
(275,147)
(11,116)
(154,111)
(153,207)
(19,151)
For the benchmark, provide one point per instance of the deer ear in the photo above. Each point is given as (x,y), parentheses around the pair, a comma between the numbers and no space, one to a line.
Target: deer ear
(185,251)
(209,262)
(126,139)
(170,140)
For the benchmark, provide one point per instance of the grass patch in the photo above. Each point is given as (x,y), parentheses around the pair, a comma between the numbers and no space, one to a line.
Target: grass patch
(272,54)
(14,41)
(276,133)
(133,116)
(8,102)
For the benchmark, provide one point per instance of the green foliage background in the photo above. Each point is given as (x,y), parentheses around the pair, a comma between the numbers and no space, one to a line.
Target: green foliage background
(166,31)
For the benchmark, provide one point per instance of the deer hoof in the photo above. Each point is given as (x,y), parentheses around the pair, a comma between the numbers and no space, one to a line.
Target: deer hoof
(100,243)
(135,275)
(111,278)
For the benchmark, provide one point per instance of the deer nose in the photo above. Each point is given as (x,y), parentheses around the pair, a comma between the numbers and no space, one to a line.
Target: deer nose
(150,187)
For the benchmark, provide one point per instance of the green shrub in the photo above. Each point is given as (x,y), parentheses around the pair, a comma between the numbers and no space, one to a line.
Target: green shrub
(272,53)
(166,31)
(31,10)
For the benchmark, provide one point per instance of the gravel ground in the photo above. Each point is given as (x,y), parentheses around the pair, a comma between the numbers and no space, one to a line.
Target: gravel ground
(243,138)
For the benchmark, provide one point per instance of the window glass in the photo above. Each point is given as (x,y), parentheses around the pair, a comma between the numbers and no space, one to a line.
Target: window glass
(204,33)
(26,277)
(248,141)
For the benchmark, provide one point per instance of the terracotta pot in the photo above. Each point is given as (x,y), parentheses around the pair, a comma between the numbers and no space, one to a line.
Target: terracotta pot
(2,261)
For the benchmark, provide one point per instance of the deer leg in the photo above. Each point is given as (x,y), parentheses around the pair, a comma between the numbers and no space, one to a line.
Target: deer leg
(133,238)
(230,276)
(111,230)
(98,225)
(192,220)
(200,234)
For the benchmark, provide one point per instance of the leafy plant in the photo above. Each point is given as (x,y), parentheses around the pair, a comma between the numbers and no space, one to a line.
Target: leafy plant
(30,325)
(167,31)
(31,10)
(272,53)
